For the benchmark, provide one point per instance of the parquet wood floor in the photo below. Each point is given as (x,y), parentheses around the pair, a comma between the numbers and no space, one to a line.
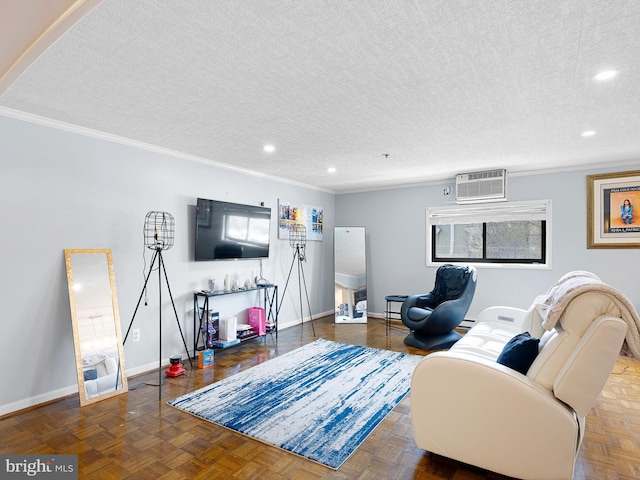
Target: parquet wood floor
(135,436)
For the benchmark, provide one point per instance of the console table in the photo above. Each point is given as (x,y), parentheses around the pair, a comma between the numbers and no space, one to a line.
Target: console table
(202,309)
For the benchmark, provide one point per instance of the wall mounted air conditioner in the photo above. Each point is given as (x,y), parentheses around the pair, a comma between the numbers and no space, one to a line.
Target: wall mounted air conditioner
(479,187)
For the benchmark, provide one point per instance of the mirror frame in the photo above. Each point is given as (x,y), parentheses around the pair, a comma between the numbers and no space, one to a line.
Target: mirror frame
(68,255)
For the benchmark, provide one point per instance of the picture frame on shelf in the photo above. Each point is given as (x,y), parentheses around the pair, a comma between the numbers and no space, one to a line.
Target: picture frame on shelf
(613,210)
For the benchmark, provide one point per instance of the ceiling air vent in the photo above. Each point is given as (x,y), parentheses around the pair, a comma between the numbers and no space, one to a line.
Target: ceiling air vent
(478,187)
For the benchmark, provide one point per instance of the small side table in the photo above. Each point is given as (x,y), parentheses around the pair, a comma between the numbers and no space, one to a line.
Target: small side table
(390,314)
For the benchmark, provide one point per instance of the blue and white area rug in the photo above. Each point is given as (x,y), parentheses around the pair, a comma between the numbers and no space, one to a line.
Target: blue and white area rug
(320,401)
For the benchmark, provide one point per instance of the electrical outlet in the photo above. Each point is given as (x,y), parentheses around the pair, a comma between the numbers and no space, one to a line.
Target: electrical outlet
(135,335)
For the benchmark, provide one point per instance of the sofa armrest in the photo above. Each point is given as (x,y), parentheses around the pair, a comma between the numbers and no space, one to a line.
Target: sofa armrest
(488,415)
(501,315)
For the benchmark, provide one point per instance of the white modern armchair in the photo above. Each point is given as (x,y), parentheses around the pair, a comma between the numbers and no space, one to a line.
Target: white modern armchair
(467,406)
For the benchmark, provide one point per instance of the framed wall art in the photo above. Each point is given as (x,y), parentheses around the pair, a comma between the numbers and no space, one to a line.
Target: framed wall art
(613,210)
(292,213)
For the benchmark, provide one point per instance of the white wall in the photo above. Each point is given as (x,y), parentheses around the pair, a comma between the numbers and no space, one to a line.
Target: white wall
(64,190)
(396,236)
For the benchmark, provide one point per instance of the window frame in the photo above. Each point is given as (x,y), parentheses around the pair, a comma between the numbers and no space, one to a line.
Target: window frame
(491,212)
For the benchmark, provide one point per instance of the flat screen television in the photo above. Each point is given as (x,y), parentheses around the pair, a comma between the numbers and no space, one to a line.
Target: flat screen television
(231,231)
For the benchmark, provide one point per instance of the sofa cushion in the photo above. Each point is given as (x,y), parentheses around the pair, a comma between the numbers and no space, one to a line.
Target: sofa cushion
(519,352)
(485,340)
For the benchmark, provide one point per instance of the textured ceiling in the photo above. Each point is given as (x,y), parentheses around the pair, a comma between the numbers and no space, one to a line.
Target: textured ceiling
(441,86)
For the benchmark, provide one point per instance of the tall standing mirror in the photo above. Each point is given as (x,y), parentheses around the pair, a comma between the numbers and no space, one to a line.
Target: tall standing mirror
(96,324)
(350,267)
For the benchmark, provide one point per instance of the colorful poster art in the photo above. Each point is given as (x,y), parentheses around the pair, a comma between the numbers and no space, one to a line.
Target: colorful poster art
(293,213)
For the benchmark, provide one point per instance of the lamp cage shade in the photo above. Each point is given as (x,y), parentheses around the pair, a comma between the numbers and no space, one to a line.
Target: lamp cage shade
(297,235)
(159,230)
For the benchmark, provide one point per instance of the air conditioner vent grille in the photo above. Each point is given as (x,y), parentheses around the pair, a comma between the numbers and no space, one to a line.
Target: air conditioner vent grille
(487,174)
(476,187)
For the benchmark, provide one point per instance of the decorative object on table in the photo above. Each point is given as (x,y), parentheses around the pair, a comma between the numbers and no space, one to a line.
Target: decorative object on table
(259,281)
(158,232)
(175,369)
(613,210)
(226,343)
(320,401)
(244,331)
(257,320)
(433,317)
(227,283)
(212,284)
(210,329)
(228,328)
(298,241)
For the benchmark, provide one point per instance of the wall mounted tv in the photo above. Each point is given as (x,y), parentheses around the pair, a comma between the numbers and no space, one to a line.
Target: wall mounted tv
(231,231)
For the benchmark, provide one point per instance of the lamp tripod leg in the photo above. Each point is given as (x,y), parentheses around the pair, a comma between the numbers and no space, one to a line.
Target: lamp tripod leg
(161,269)
(300,293)
(146,280)
(301,274)
(159,252)
(297,256)
(293,261)
(184,343)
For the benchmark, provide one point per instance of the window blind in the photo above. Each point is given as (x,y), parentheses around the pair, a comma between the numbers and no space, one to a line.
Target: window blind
(493,212)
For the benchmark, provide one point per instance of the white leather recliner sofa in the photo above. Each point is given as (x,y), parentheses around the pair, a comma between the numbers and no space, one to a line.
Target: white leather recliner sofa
(105,380)
(468,407)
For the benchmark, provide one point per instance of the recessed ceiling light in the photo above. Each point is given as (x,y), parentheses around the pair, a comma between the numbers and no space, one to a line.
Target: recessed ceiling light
(588,133)
(269,148)
(606,75)
(331,169)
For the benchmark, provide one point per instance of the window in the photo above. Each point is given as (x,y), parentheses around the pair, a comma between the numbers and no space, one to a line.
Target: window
(515,233)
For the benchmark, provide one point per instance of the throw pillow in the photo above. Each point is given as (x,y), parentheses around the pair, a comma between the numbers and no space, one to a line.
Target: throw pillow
(519,352)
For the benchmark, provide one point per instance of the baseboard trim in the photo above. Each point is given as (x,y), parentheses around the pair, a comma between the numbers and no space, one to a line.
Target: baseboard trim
(37,400)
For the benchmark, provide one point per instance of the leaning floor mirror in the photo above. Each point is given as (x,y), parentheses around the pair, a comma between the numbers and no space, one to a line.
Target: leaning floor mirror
(350,267)
(96,324)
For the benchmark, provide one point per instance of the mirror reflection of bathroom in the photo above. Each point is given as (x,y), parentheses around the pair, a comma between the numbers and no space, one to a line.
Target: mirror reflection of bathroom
(350,267)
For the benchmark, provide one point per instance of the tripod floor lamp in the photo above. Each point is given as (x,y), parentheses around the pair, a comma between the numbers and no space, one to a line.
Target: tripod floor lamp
(298,241)
(159,232)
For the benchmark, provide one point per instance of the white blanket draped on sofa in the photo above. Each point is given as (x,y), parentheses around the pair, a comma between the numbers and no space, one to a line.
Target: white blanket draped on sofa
(551,305)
